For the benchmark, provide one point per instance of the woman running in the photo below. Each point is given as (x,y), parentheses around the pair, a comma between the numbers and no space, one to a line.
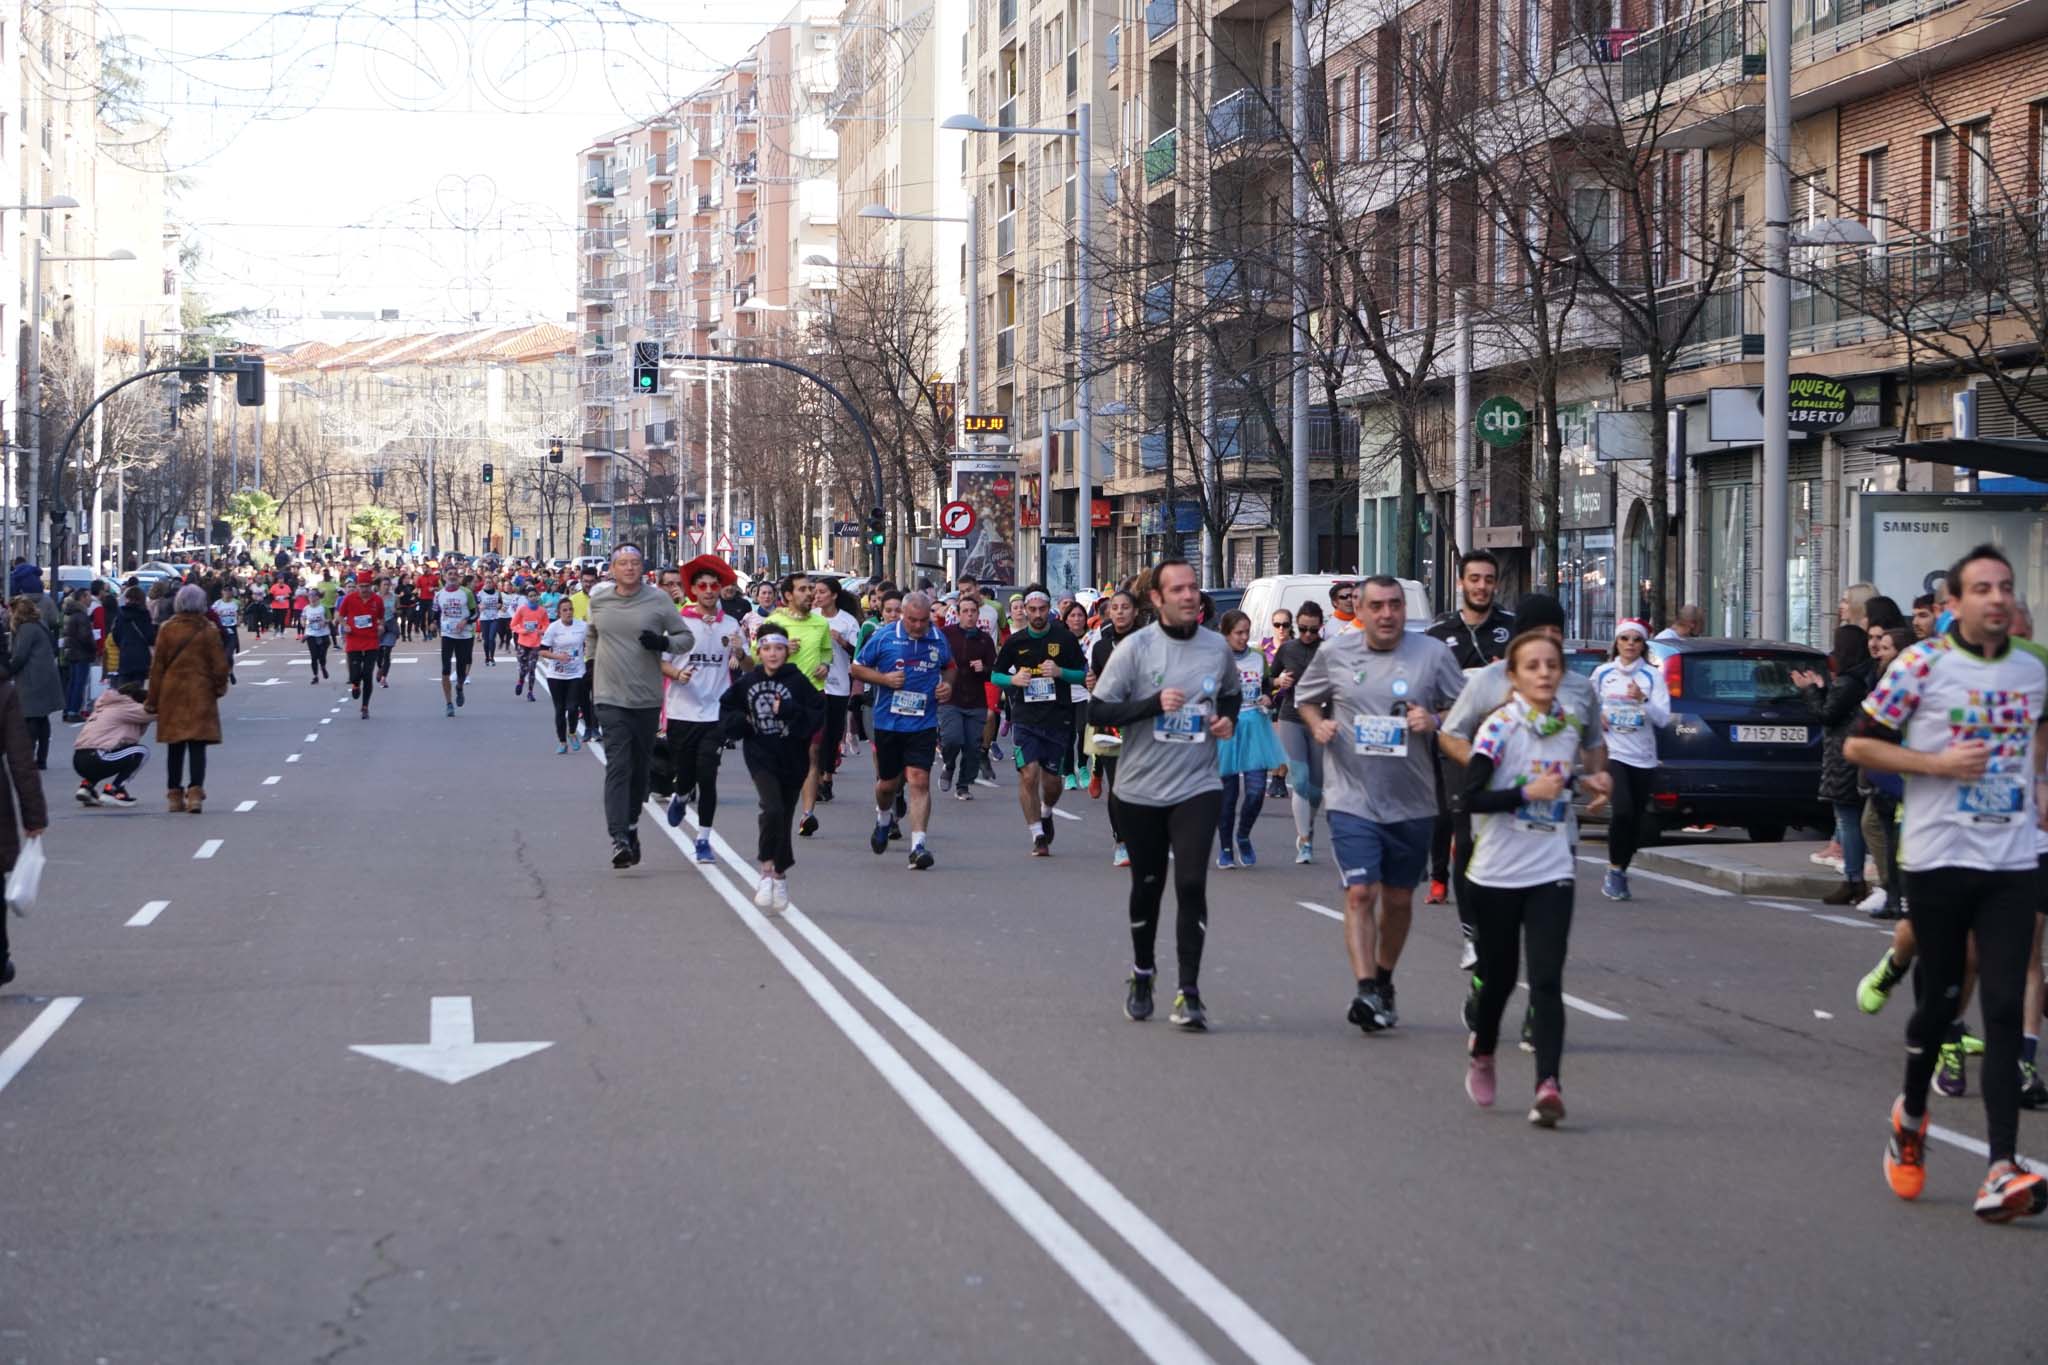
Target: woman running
(1074,617)
(1518,788)
(1250,753)
(773,710)
(314,631)
(529,623)
(560,660)
(1635,704)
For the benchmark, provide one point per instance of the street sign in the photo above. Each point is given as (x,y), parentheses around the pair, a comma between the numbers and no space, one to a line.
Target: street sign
(745,530)
(956,519)
(1818,403)
(1501,421)
(451,1052)
(846,529)
(725,546)
(953,543)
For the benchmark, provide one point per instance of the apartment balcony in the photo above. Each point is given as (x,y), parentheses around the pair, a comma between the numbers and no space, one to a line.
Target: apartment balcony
(1987,268)
(1158,304)
(1244,119)
(747,113)
(1240,281)
(603,398)
(1162,17)
(1723,328)
(747,174)
(598,368)
(603,440)
(746,289)
(663,280)
(1690,56)
(598,189)
(1162,156)
(661,168)
(660,434)
(1251,436)
(1006,117)
(1006,348)
(661,222)
(1152,452)
(598,494)
(1006,234)
(598,240)
(601,294)
(596,341)
(747,231)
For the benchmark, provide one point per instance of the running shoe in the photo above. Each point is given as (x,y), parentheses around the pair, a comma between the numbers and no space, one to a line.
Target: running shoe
(1245,856)
(120,796)
(516,689)
(1392,1015)
(622,853)
(920,859)
(1120,858)
(764,895)
(460,700)
(1529,1029)
(1188,1012)
(451,709)
(878,840)
(6,971)
(1095,784)
(2010,1191)
(1873,904)
(576,743)
(676,807)
(702,850)
(1973,1046)
(1041,847)
(2033,1090)
(945,780)
(1876,986)
(896,827)
(1368,1011)
(633,843)
(1070,782)
(1304,851)
(808,825)
(824,790)
(1045,828)
(1138,997)
(1438,894)
(87,794)
(1614,885)
(1549,1106)
(1225,860)
(366,711)
(1950,1076)
(561,748)
(963,794)
(1480,1082)
(1468,955)
(781,895)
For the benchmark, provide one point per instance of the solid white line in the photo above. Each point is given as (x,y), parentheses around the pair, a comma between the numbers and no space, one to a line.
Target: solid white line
(291,758)
(209,848)
(1064,815)
(1588,1007)
(273,780)
(245,807)
(1856,923)
(1142,1320)
(1323,910)
(35,1035)
(147,914)
(1975,1146)
(1700,887)
(1781,905)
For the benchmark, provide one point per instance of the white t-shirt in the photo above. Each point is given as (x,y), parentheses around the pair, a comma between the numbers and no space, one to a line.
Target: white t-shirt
(1938,693)
(838,678)
(489,605)
(1531,844)
(229,611)
(315,619)
(1631,726)
(452,606)
(697,699)
(564,637)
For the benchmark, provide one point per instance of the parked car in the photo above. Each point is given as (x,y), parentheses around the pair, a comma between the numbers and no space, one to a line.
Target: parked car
(1263,596)
(1742,748)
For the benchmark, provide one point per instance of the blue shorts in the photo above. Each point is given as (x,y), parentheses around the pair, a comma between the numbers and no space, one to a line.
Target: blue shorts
(1390,853)
(1046,748)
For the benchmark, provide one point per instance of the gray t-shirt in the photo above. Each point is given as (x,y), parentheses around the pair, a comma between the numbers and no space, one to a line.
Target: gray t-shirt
(1487,690)
(1168,758)
(623,672)
(1376,768)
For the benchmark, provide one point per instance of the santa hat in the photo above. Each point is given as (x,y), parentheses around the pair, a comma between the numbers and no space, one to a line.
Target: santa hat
(710,564)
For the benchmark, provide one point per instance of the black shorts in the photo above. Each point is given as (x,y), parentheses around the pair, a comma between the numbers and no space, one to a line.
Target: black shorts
(455,652)
(896,750)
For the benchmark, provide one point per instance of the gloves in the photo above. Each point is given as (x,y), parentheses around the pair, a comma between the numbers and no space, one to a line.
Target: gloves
(654,640)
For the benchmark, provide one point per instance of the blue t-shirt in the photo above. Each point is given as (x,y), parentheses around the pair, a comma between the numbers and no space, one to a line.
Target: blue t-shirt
(915,705)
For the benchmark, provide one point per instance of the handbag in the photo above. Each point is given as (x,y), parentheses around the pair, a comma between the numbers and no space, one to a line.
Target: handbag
(26,878)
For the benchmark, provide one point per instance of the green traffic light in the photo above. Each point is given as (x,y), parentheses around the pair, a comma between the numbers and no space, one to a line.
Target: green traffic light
(878,539)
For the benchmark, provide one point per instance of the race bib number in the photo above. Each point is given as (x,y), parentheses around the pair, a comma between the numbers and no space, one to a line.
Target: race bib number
(455,612)
(1189,725)
(1249,681)
(363,622)
(903,703)
(1380,736)
(1543,817)
(1038,688)
(1993,798)
(1624,717)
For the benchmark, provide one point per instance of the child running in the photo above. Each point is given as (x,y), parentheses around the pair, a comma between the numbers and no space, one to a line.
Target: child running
(773,710)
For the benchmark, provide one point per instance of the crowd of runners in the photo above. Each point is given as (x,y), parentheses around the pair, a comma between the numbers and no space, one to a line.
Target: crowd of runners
(1454,761)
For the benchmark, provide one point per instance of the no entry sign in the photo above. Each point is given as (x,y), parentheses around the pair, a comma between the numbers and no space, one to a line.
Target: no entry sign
(956,518)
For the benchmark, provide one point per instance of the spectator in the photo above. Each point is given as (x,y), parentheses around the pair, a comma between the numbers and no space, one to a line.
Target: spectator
(1882,792)
(1850,610)
(1838,703)
(1881,613)
(109,748)
(80,649)
(188,676)
(1690,623)
(1923,616)
(21,793)
(32,663)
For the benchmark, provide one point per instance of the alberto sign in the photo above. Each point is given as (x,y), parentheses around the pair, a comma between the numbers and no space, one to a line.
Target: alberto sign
(1818,403)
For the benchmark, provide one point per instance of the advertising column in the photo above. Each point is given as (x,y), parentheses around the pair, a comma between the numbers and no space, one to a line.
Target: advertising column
(989,549)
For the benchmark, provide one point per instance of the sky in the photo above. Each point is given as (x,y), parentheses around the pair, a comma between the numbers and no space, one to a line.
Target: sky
(408,155)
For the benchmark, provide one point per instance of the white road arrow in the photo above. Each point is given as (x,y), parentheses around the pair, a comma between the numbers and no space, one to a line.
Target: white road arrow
(451,1052)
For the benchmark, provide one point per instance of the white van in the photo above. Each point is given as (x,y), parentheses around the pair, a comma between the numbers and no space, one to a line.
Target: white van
(1286,592)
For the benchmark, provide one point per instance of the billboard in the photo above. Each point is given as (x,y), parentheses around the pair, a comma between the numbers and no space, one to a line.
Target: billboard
(989,486)
(1910,538)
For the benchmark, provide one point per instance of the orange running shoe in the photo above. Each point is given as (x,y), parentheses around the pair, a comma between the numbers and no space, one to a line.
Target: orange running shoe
(2010,1191)
(1905,1156)
(1438,893)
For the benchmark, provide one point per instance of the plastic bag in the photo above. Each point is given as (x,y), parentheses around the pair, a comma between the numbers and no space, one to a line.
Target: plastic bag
(27,877)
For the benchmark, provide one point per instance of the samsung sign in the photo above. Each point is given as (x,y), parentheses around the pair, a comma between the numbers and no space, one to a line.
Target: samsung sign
(1909,539)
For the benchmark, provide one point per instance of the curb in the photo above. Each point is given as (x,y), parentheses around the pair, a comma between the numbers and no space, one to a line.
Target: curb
(1707,865)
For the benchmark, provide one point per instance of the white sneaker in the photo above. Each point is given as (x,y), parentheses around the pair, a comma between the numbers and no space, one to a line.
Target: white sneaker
(1468,956)
(781,896)
(765,896)
(1831,856)
(1873,902)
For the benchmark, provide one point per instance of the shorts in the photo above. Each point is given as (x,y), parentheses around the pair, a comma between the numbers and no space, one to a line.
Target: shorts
(896,750)
(454,652)
(1384,853)
(1046,748)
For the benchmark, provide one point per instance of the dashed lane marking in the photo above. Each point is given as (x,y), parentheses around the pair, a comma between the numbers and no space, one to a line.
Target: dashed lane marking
(312,739)
(209,848)
(1064,815)
(244,807)
(326,720)
(1323,910)
(35,1035)
(273,780)
(147,914)
(291,758)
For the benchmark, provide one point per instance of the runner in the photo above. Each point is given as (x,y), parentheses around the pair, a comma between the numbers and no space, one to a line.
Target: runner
(842,629)
(1635,703)
(1171,689)
(632,624)
(963,714)
(1038,666)
(387,638)
(1120,619)
(227,614)
(428,585)
(1960,715)
(1248,755)
(562,652)
(910,666)
(529,623)
(773,710)
(490,605)
(810,642)
(1477,633)
(455,616)
(313,628)
(1384,691)
(1518,783)
(698,680)
(362,624)
(1304,757)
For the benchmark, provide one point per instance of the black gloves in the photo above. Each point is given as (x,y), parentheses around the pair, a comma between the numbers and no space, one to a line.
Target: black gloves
(653,639)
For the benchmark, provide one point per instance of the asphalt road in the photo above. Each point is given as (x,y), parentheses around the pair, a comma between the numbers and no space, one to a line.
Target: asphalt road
(906,1121)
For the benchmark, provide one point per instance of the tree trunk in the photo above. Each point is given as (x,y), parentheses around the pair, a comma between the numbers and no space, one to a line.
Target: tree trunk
(1661,556)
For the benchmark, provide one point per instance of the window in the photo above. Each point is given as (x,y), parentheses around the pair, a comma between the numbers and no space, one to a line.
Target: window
(1593,225)
(1876,200)
(1052,287)
(1532,38)
(1941,182)
(1979,135)
(1502,245)
(1338,123)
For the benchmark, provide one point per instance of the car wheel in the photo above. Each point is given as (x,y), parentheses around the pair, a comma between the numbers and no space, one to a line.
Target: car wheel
(1765,834)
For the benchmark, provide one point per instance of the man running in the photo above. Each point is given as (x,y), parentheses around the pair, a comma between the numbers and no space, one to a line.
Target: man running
(842,631)
(964,713)
(1371,698)
(1038,665)
(1171,689)
(1961,716)
(697,680)
(362,631)
(910,665)
(632,624)
(1478,633)
(455,615)
(810,649)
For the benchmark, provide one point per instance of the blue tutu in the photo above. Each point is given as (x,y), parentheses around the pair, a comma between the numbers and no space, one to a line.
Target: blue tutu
(1253,748)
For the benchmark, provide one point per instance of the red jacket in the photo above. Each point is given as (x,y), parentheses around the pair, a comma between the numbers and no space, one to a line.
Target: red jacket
(362,620)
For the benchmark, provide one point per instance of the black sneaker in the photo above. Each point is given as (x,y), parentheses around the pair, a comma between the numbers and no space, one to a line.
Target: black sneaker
(622,853)
(1041,847)
(6,970)
(633,843)
(87,794)
(1045,829)
(896,829)
(1367,1010)
(1138,997)
(878,840)
(1188,1012)
(458,697)
(920,859)
(1387,1009)
(824,790)
(807,826)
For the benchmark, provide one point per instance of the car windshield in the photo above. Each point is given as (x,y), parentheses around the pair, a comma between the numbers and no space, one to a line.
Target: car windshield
(1744,678)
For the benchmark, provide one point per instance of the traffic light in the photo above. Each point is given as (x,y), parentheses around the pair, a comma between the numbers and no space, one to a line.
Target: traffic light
(878,534)
(249,381)
(555,451)
(647,367)
(487,471)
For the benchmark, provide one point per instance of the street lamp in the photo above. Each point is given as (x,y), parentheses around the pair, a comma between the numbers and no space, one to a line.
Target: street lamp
(884,213)
(1084,301)
(35,372)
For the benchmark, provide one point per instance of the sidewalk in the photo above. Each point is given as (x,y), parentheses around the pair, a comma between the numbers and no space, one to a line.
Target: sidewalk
(1747,869)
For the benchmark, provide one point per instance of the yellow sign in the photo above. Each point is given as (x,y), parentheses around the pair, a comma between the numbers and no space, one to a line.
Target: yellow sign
(985,424)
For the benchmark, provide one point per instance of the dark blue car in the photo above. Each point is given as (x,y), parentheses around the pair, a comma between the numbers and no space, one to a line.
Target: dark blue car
(1743,748)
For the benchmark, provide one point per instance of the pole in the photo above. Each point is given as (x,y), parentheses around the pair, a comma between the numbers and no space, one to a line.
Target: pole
(1302,544)
(1044,486)
(206,500)
(725,454)
(1084,398)
(433,504)
(974,302)
(262,413)
(1777,315)
(34,505)
(1461,434)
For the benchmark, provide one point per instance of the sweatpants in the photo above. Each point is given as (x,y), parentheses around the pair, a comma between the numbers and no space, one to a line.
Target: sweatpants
(694,748)
(1188,831)
(112,766)
(628,754)
(780,793)
(960,742)
(1504,915)
(1630,812)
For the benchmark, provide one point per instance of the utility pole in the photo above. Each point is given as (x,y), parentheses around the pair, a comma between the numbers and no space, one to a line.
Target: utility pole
(1777,316)
(1461,433)
(1302,543)
(206,500)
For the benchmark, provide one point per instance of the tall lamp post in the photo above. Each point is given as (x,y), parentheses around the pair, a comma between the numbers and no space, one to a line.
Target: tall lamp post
(884,213)
(1084,303)
(37,261)
(61,201)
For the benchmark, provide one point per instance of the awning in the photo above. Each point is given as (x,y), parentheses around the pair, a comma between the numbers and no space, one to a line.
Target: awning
(2026,459)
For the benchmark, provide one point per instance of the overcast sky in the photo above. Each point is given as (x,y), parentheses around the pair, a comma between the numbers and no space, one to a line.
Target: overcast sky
(400,155)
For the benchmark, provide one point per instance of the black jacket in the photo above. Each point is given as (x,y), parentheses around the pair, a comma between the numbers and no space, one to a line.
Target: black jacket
(773,716)
(1475,646)
(1838,707)
(134,638)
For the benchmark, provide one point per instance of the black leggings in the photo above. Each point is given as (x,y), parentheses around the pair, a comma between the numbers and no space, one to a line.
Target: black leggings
(835,732)
(1188,830)
(694,748)
(1504,915)
(316,645)
(779,794)
(181,750)
(111,766)
(857,716)
(1946,906)
(1627,822)
(39,732)
(362,674)
(1106,765)
(567,695)
(383,662)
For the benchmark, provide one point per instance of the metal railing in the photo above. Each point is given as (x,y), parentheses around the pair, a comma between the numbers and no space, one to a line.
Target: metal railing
(1245,115)
(1162,156)
(661,433)
(1006,347)
(597,187)
(1728,34)
(1239,280)
(661,220)
(1006,233)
